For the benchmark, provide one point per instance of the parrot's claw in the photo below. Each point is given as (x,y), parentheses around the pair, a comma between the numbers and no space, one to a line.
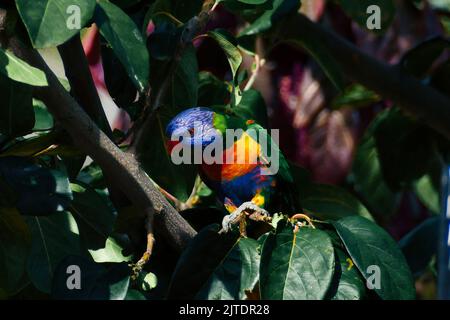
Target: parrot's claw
(238,216)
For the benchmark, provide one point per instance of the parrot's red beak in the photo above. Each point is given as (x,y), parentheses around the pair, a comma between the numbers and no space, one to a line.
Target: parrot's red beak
(170,144)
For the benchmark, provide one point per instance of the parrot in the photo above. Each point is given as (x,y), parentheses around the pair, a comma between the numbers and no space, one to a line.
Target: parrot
(241,186)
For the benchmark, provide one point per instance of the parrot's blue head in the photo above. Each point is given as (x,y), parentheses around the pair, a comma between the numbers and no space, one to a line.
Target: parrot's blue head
(192,127)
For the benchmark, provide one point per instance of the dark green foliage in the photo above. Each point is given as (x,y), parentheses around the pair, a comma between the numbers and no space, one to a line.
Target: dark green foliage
(58,210)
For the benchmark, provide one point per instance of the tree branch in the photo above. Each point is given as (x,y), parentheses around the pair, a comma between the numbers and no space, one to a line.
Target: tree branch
(123,168)
(426,103)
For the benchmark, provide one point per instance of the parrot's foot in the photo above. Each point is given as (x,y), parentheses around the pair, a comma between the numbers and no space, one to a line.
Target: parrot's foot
(247,209)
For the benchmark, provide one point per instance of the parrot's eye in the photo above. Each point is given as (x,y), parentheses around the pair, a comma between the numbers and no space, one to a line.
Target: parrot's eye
(191,131)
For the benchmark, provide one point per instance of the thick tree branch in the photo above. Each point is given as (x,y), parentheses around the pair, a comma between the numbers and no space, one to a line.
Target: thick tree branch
(123,168)
(426,103)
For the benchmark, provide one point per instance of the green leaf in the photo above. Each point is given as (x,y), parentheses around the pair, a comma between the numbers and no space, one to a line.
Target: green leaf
(351,284)
(20,71)
(369,180)
(252,107)
(16,109)
(54,237)
(216,266)
(211,90)
(31,146)
(184,82)
(228,45)
(402,143)
(126,41)
(369,245)
(420,245)
(120,87)
(51,22)
(98,282)
(296,266)
(332,202)
(357,10)
(278,10)
(445,21)
(234,57)
(15,242)
(428,187)
(134,295)
(440,4)
(355,96)
(149,282)
(40,191)
(44,119)
(112,252)
(95,218)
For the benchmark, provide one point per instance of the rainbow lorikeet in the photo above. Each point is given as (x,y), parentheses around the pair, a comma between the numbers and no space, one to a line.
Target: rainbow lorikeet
(245,181)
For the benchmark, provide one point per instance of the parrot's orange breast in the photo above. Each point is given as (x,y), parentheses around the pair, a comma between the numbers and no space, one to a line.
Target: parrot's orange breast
(239,159)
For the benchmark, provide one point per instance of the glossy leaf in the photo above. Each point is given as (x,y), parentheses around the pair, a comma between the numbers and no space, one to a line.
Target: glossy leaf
(252,107)
(216,266)
(228,45)
(20,71)
(296,266)
(54,237)
(351,284)
(332,202)
(428,187)
(95,218)
(119,85)
(420,245)
(40,191)
(43,118)
(53,22)
(369,180)
(369,245)
(402,143)
(112,252)
(126,41)
(31,146)
(355,96)
(15,242)
(211,90)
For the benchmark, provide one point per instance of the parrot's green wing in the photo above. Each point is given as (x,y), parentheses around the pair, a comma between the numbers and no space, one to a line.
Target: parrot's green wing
(284,171)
